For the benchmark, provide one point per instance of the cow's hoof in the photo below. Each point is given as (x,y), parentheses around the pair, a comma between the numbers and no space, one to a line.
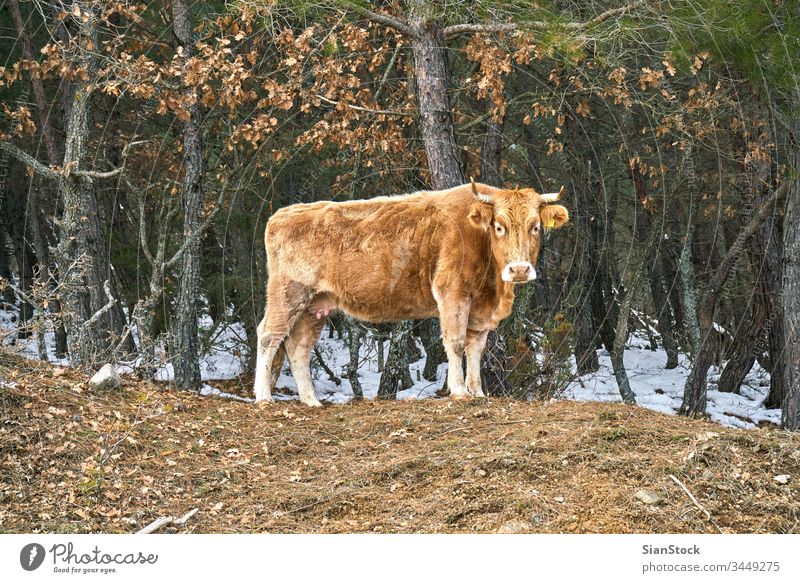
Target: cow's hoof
(264,401)
(477,393)
(461,397)
(313,403)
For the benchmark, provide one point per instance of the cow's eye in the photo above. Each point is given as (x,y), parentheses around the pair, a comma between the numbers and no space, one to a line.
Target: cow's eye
(499,230)
(535,230)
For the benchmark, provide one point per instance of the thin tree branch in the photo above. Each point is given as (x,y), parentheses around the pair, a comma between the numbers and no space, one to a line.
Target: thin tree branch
(30,161)
(486,115)
(165,520)
(457,29)
(388,70)
(142,226)
(735,250)
(99,313)
(365,109)
(331,375)
(50,173)
(95,175)
(379,17)
(197,232)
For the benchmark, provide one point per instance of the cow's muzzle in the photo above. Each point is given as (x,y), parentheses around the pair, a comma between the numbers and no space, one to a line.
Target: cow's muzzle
(518,272)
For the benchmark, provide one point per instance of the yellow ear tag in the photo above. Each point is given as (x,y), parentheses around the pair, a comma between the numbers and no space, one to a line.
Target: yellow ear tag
(550,223)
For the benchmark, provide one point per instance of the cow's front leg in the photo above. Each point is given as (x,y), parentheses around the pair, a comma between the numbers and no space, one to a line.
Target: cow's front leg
(476,342)
(453,315)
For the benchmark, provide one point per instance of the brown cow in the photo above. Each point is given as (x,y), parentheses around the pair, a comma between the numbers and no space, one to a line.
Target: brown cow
(453,253)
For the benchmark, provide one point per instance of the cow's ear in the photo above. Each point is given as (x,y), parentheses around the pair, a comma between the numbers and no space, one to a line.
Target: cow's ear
(553,216)
(480,215)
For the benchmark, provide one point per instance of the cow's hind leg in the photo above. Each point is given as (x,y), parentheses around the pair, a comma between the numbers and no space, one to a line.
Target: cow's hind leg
(269,351)
(285,303)
(476,342)
(299,344)
(453,315)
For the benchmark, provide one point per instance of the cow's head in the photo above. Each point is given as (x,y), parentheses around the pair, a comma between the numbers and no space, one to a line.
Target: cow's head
(515,220)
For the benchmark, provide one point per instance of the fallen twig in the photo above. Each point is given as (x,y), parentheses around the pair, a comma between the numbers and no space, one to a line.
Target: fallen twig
(695,501)
(165,520)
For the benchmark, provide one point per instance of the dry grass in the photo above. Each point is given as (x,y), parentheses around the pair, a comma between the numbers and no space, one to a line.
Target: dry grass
(73,460)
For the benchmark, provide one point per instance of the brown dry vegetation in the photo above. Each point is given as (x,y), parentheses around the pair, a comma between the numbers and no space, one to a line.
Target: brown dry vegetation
(73,460)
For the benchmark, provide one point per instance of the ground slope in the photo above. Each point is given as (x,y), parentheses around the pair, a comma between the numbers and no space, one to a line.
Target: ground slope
(77,460)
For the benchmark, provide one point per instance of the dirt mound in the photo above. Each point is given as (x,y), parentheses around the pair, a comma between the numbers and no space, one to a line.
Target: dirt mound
(75,460)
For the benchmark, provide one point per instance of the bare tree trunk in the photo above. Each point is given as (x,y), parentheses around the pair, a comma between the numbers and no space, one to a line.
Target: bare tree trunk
(44,228)
(82,252)
(617,351)
(184,326)
(765,265)
(354,336)
(743,351)
(645,225)
(670,261)
(790,417)
(433,85)
(430,334)
(686,264)
(695,391)
(395,375)
(772,276)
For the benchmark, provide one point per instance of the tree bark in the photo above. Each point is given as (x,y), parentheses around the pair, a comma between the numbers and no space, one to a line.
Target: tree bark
(354,336)
(44,228)
(82,253)
(764,250)
(433,98)
(395,375)
(617,350)
(695,391)
(644,225)
(790,417)
(587,267)
(771,272)
(430,335)
(184,328)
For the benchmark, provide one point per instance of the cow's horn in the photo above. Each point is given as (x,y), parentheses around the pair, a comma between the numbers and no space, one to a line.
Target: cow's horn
(551,196)
(485,198)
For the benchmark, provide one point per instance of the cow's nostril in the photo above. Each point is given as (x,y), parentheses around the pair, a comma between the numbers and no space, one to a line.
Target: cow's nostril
(521,269)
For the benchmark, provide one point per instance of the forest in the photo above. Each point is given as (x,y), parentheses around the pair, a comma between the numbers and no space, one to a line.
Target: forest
(144,146)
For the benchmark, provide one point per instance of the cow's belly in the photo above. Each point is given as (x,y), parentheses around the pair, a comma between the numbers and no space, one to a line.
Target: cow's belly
(379,302)
(385,284)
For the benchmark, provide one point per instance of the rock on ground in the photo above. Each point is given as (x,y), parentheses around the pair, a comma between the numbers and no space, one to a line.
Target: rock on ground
(106,378)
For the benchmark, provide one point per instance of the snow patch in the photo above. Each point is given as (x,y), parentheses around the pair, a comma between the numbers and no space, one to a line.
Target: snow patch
(655,387)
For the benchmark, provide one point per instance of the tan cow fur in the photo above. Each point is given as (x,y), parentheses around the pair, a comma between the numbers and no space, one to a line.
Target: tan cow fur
(385,259)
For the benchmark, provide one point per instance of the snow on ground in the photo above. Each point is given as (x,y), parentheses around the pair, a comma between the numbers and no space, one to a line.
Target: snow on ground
(226,358)
(27,347)
(336,356)
(662,390)
(655,387)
